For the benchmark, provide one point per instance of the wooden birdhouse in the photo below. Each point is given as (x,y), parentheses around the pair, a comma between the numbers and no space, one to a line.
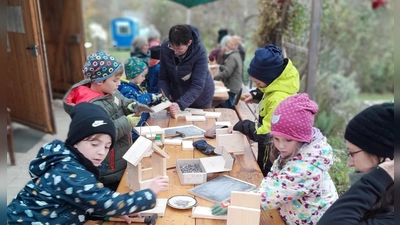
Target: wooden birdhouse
(138,177)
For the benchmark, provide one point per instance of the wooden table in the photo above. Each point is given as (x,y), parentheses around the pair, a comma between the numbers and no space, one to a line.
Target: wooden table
(244,168)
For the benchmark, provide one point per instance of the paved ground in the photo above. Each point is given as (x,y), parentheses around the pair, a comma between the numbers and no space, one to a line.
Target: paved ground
(18,175)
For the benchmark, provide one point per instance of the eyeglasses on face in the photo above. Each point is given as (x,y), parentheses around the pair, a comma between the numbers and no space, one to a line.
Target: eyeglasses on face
(178,49)
(351,154)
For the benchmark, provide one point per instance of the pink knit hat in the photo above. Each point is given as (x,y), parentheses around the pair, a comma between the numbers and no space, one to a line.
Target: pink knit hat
(293,118)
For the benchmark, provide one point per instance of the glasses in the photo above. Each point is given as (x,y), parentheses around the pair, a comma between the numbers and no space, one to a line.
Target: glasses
(180,49)
(351,154)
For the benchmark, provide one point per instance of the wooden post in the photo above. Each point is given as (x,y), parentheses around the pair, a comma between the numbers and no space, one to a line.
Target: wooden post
(313,49)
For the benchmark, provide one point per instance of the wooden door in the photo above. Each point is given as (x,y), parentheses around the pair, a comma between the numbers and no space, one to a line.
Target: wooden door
(64,37)
(29,94)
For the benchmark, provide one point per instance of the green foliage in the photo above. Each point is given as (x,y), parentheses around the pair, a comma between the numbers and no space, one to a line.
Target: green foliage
(332,93)
(339,170)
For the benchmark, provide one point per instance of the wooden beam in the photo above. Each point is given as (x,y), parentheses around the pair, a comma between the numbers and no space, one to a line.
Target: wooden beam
(312,67)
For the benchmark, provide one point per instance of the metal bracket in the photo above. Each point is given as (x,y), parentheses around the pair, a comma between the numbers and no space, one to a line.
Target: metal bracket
(34,50)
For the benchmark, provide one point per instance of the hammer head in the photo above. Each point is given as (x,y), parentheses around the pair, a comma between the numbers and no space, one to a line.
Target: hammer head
(151,220)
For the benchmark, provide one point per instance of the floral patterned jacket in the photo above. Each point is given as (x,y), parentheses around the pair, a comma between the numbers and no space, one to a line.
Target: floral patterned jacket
(302,190)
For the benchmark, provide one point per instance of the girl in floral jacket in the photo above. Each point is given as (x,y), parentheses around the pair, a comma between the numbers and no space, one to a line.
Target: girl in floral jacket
(298,185)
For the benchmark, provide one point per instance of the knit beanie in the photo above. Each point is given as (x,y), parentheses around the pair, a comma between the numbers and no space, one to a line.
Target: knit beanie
(293,118)
(100,66)
(89,119)
(266,64)
(133,67)
(372,130)
(155,52)
(224,39)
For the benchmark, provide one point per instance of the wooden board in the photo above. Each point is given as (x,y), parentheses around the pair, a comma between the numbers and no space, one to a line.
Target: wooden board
(205,212)
(161,106)
(159,209)
(219,189)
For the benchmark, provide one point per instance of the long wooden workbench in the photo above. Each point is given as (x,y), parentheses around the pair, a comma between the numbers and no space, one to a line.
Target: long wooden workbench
(245,168)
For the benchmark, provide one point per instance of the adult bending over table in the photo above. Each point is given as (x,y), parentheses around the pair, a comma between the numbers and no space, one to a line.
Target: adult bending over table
(184,75)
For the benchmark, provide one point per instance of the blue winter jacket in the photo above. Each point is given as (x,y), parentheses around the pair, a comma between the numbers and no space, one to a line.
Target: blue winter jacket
(62,190)
(152,79)
(189,81)
(133,91)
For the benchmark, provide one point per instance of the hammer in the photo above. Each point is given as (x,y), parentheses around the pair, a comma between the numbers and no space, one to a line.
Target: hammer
(148,220)
(238,97)
(177,134)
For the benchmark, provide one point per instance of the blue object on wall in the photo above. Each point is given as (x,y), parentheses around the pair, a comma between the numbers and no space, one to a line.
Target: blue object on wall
(123,31)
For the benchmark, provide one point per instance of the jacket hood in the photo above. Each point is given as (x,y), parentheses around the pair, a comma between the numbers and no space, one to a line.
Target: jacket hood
(288,81)
(318,152)
(48,156)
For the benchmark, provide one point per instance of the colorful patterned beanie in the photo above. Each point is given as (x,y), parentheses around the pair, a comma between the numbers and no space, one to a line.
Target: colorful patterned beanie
(293,118)
(100,66)
(133,67)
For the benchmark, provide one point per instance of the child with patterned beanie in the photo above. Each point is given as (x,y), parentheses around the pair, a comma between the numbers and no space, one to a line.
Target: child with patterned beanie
(299,184)
(103,72)
(135,73)
(65,187)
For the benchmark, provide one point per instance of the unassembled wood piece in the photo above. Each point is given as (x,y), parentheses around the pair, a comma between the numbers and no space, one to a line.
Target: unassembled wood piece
(205,212)
(161,106)
(139,178)
(195,118)
(223,123)
(169,141)
(159,209)
(187,145)
(212,115)
(244,208)
(182,113)
(233,142)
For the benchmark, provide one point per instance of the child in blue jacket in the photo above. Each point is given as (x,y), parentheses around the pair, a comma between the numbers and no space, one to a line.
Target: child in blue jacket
(65,182)
(135,73)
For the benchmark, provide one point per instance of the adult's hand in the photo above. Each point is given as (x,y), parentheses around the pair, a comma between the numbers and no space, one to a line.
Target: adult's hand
(388,166)
(173,109)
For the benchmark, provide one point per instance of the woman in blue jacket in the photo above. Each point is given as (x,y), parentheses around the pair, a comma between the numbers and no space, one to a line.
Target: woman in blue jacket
(184,75)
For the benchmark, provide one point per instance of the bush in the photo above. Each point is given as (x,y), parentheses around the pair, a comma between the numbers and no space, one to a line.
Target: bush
(339,170)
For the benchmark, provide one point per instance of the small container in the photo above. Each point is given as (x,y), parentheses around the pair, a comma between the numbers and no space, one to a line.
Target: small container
(158,141)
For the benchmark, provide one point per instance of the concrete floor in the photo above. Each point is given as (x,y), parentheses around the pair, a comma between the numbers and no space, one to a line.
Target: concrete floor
(18,175)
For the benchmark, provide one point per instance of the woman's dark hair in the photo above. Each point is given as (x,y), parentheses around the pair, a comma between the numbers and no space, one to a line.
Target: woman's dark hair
(180,35)
(383,205)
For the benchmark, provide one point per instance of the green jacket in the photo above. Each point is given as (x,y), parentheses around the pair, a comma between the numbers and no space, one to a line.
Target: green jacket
(116,107)
(287,84)
(231,72)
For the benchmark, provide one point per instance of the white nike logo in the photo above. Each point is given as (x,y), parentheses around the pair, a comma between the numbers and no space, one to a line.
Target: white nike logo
(98,123)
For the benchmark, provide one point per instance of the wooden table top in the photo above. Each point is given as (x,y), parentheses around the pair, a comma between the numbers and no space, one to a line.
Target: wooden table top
(245,168)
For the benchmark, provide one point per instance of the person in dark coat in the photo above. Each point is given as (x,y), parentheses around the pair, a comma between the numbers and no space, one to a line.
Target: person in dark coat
(370,142)
(184,75)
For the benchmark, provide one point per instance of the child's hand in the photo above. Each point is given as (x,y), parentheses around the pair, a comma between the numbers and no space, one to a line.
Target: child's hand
(230,129)
(133,119)
(159,184)
(247,98)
